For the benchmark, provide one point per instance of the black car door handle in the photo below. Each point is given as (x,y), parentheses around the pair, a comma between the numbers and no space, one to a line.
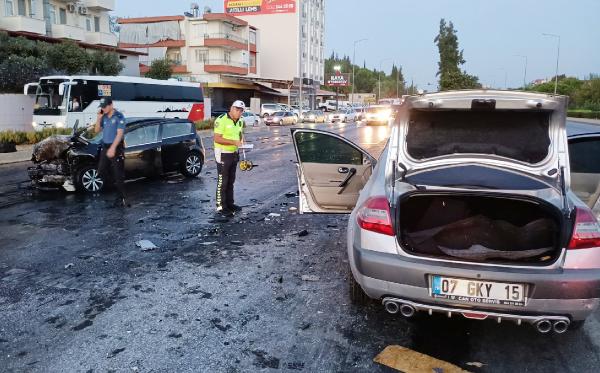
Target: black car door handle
(344,183)
(343,170)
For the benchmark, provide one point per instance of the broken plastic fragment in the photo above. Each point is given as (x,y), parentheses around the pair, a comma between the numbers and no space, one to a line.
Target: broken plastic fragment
(409,361)
(146,245)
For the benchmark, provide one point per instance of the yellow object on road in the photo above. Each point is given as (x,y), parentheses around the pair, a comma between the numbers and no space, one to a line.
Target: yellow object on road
(409,361)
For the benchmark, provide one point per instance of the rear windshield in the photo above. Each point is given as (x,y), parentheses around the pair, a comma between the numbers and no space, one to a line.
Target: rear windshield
(518,135)
(270,106)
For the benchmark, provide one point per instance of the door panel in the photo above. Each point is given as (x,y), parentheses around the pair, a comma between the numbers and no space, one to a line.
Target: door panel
(142,151)
(331,171)
(584,152)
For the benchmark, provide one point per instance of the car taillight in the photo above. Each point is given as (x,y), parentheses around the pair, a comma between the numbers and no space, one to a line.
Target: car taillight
(586,232)
(374,216)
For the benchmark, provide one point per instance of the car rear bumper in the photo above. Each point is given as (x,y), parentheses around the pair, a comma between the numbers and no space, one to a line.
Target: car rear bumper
(572,293)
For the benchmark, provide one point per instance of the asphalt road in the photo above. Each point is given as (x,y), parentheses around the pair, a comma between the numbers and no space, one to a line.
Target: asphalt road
(76,294)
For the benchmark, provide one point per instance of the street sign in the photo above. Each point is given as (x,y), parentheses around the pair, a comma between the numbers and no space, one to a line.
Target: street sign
(259,7)
(338,80)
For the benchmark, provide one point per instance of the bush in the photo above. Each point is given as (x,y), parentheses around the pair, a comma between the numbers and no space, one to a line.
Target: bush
(105,63)
(160,69)
(17,70)
(587,114)
(69,57)
(31,137)
(205,124)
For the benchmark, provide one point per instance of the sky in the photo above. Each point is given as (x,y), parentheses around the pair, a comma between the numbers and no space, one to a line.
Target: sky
(491,33)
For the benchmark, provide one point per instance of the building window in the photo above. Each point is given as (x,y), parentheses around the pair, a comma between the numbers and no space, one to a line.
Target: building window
(227,56)
(88,24)
(252,36)
(62,16)
(52,13)
(252,60)
(9,8)
(201,56)
(97,24)
(22,8)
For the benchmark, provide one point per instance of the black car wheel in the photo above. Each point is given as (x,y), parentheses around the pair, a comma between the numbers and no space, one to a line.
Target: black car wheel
(88,179)
(357,294)
(192,166)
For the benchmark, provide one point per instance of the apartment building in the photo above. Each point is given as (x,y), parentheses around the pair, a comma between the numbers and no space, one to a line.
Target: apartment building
(210,48)
(82,21)
(292,35)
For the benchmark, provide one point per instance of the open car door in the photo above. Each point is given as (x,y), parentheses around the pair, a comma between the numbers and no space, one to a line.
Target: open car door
(584,153)
(331,171)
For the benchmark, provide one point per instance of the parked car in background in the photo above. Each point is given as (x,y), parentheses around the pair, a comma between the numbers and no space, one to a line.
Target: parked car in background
(345,116)
(153,146)
(269,109)
(251,119)
(314,116)
(296,110)
(473,209)
(281,118)
(378,115)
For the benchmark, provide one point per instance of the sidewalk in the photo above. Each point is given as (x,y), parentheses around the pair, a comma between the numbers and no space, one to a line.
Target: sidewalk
(22,154)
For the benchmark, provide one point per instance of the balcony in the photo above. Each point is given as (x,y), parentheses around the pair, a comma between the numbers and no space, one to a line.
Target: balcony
(101,38)
(68,32)
(225,40)
(23,24)
(225,67)
(177,67)
(100,5)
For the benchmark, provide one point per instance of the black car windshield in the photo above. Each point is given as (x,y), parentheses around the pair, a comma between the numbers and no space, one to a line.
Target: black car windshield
(47,99)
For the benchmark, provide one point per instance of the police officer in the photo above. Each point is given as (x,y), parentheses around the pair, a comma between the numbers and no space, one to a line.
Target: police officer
(112,124)
(227,139)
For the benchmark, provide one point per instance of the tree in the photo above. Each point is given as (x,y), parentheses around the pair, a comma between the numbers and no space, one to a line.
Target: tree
(105,63)
(16,71)
(68,57)
(451,59)
(160,69)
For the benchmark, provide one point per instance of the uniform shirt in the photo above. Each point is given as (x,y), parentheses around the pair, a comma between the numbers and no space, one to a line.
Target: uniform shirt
(110,125)
(230,130)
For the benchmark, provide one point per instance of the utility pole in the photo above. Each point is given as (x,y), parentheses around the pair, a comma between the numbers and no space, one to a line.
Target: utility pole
(525,73)
(557,59)
(353,60)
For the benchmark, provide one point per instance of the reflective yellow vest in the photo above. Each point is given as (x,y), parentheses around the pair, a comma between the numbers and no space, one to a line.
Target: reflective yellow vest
(225,126)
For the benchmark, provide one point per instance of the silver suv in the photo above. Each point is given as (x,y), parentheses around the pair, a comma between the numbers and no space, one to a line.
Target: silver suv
(470,210)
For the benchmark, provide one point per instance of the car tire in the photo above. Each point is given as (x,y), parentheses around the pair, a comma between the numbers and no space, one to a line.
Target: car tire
(192,164)
(87,179)
(357,295)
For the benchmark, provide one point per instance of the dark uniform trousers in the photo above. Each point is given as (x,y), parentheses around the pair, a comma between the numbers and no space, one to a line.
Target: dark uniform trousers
(226,170)
(113,168)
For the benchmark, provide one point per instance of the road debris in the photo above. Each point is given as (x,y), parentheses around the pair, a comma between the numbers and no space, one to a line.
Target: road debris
(475,364)
(146,245)
(274,215)
(303,233)
(409,361)
(293,209)
(311,278)
(67,266)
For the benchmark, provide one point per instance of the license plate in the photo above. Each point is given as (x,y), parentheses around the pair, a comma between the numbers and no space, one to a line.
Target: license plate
(476,291)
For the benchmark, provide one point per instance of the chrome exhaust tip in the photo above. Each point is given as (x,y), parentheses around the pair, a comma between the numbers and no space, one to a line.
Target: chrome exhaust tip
(543,326)
(391,307)
(560,326)
(407,310)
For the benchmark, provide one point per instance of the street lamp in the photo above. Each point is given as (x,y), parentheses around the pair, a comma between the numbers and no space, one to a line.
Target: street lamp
(337,68)
(525,73)
(557,58)
(353,63)
(379,75)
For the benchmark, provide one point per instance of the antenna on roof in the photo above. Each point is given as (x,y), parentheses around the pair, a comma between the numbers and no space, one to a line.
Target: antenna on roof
(195,10)
(207,9)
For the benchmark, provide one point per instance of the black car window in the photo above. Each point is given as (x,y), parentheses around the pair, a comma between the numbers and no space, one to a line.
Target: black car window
(321,148)
(583,156)
(142,135)
(174,129)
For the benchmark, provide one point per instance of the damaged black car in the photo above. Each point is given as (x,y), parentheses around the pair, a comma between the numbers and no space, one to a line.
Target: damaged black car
(153,146)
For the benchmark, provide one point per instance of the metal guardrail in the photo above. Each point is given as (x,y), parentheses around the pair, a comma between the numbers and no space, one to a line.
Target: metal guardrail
(226,36)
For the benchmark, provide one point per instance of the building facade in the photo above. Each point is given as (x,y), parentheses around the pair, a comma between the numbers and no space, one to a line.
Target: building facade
(208,48)
(292,35)
(85,21)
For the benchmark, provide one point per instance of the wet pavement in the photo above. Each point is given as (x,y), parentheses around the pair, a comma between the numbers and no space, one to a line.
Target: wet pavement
(77,294)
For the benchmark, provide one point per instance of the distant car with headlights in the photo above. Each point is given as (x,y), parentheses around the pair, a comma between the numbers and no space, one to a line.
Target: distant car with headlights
(314,116)
(281,118)
(378,115)
(343,116)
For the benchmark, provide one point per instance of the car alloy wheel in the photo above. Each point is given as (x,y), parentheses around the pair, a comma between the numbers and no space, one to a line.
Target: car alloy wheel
(91,181)
(193,165)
